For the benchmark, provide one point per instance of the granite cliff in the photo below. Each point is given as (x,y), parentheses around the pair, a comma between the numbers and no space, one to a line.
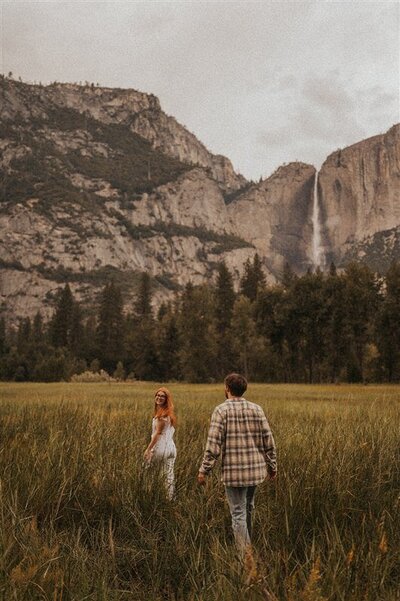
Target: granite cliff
(100,182)
(138,112)
(359,195)
(84,197)
(275,215)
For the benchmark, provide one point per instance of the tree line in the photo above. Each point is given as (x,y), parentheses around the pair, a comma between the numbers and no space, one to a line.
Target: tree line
(319,327)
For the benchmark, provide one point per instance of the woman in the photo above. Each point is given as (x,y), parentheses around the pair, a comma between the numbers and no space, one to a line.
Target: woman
(161,448)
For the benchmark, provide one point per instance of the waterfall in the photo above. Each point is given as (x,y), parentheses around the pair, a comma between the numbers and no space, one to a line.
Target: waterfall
(316,240)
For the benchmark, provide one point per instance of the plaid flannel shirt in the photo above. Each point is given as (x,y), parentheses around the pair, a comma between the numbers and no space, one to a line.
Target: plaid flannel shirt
(240,433)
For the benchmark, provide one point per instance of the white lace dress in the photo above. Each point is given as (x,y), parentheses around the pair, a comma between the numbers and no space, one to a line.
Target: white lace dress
(164,453)
(165,447)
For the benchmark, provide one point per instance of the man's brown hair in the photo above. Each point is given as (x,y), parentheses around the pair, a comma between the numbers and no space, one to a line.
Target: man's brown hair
(236,383)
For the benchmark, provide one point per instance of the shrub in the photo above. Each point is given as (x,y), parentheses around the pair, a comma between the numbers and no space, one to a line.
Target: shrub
(90,376)
(119,373)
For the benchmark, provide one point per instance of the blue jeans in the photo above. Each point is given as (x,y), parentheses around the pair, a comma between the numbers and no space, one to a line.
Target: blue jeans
(241,505)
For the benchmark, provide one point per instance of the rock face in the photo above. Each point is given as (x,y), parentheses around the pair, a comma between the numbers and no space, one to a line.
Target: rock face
(138,111)
(177,234)
(99,183)
(359,194)
(106,105)
(167,135)
(193,200)
(276,216)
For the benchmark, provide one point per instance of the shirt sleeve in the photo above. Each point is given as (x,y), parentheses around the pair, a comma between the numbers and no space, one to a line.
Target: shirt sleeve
(214,442)
(269,447)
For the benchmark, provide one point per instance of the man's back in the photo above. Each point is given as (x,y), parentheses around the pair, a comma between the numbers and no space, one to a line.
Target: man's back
(240,433)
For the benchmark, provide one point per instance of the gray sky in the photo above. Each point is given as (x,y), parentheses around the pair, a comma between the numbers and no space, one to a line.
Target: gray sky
(263,83)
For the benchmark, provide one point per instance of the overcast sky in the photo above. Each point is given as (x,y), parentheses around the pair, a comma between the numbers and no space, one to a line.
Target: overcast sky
(263,83)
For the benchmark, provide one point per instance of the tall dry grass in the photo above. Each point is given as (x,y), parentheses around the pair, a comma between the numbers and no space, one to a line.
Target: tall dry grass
(82,520)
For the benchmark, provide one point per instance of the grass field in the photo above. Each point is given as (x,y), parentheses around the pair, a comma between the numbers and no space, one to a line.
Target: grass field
(82,520)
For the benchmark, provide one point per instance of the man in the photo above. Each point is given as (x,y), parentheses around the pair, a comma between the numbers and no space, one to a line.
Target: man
(240,433)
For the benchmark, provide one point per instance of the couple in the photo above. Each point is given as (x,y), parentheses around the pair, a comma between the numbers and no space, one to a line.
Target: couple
(239,432)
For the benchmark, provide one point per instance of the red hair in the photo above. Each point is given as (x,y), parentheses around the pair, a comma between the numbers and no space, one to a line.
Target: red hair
(168,409)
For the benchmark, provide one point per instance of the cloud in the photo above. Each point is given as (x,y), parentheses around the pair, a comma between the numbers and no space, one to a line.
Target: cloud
(323,113)
(327,94)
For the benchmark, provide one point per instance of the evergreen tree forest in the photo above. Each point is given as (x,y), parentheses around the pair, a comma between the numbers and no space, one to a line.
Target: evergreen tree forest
(320,327)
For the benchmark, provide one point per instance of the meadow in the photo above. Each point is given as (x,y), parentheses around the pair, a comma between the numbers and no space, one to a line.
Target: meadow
(81,519)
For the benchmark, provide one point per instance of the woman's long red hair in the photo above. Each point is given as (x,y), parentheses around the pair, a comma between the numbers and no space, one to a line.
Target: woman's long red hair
(168,409)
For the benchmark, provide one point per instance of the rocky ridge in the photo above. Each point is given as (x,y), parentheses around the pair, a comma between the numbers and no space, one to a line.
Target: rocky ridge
(85,198)
(359,193)
(100,183)
(139,112)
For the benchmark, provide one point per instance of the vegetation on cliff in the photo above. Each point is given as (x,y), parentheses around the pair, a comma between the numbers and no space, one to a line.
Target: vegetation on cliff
(112,153)
(376,251)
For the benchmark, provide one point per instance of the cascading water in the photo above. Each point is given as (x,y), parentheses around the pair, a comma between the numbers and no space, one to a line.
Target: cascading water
(316,240)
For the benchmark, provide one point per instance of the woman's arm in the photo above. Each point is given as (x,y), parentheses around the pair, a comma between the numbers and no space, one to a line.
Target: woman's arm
(160,424)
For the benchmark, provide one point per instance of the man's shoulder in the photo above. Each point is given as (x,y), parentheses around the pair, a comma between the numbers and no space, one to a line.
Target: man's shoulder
(221,407)
(254,407)
(231,405)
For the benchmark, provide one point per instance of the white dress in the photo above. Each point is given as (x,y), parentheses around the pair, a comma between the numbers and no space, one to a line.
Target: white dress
(164,452)
(165,446)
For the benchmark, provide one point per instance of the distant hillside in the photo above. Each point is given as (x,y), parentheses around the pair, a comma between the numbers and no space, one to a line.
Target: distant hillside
(99,184)
(86,199)
(50,153)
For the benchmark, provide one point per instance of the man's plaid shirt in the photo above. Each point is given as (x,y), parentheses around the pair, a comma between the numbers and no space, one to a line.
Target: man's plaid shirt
(240,433)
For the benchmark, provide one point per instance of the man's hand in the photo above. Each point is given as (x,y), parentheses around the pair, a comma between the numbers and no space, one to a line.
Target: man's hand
(201,478)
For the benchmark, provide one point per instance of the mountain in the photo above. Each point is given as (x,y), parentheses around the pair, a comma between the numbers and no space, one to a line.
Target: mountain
(99,183)
(359,193)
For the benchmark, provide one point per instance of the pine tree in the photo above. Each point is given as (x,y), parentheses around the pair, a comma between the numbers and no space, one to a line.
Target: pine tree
(224,301)
(142,354)
(388,325)
(225,298)
(270,314)
(76,337)
(62,318)
(142,306)
(4,351)
(336,336)
(110,329)
(288,276)
(162,311)
(90,346)
(3,340)
(197,334)
(362,300)
(38,330)
(24,336)
(259,275)
(22,353)
(250,347)
(253,278)
(307,318)
(168,346)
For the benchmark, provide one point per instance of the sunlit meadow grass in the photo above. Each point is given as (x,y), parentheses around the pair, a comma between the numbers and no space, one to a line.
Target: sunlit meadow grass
(81,519)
